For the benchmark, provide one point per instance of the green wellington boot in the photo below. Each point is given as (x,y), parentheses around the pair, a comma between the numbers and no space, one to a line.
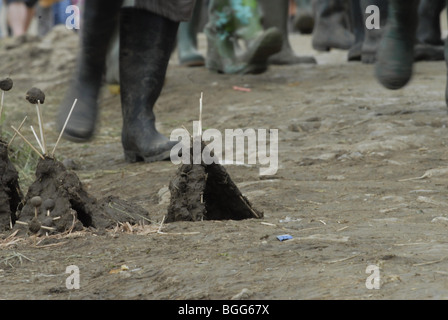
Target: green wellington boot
(304,18)
(230,22)
(395,55)
(99,21)
(331,29)
(144,58)
(187,43)
(275,14)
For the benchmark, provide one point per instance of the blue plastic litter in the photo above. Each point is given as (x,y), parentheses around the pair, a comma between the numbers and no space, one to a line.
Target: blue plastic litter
(284,237)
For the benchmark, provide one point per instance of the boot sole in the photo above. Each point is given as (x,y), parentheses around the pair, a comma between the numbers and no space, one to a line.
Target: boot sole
(132,157)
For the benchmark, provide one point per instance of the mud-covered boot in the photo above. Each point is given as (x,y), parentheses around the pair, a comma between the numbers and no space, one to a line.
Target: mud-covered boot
(354,54)
(304,18)
(99,21)
(230,22)
(373,36)
(331,29)
(429,45)
(275,14)
(187,45)
(144,58)
(395,55)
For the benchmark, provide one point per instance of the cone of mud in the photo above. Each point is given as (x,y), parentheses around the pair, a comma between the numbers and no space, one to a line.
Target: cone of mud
(206,192)
(10,193)
(73,207)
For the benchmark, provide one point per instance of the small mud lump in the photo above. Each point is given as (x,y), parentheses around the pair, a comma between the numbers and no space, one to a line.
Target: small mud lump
(6,84)
(34,95)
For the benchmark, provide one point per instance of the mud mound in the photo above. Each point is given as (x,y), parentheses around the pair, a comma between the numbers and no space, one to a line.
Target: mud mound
(206,192)
(10,193)
(73,208)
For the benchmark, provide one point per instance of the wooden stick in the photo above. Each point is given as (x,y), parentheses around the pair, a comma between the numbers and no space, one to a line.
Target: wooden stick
(48,228)
(63,128)
(27,142)
(37,139)
(1,105)
(200,118)
(15,134)
(41,127)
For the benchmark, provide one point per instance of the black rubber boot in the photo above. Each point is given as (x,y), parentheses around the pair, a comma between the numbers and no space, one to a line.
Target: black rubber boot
(428,29)
(373,37)
(304,19)
(275,14)
(99,21)
(446,61)
(331,29)
(395,55)
(429,45)
(146,43)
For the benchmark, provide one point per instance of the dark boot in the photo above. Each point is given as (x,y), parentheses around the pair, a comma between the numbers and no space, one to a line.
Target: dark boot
(395,55)
(354,54)
(275,14)
(146,43)
(331,29)
(428,29)
(99,21)
(304,18)
(446,62)
(429,45)
(187,45)
(373,37)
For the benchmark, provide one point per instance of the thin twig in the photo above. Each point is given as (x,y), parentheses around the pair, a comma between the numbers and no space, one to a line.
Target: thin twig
(15,134)
(63,128)
(161,224)
(1,105)
(37,139)
(41,127)
(29,143)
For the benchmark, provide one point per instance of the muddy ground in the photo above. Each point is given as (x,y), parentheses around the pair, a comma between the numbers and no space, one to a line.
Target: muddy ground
(347,151)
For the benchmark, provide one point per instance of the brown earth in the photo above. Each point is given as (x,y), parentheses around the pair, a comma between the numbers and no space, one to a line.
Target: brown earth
(353,187)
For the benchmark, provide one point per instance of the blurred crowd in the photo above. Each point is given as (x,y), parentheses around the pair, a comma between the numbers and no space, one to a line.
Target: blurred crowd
(123,41)
(16,16)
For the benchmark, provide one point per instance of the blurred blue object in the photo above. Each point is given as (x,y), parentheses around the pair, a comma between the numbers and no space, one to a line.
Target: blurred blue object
(59,11)
(284,237)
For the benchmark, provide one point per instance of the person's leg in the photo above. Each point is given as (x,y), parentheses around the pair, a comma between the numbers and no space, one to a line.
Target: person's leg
(146,42)
(331,29)
(18,18)
(354,54)
(429,37)
(230,21)
(395,56)
(100,17)
(373,37)
(304,18)
(187,47)
(275,14)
